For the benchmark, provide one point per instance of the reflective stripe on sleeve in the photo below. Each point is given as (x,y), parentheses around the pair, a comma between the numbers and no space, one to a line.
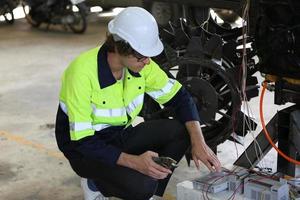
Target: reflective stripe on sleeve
(99,127)
(80,126)
(135,103)
(63,107)
(117,112)
(165,90)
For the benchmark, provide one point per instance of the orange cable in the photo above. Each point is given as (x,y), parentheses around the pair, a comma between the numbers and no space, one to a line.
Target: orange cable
(266,131)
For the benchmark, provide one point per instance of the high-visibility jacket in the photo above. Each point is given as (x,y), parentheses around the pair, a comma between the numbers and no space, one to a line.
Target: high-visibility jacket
(92,106)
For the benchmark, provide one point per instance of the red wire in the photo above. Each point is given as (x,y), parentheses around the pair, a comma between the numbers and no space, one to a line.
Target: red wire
(266,131)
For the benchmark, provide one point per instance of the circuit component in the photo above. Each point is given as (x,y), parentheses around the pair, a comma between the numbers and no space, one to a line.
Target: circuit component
(258,187)
(213,182)
(236,180)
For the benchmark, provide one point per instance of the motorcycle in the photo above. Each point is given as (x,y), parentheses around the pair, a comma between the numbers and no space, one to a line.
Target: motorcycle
(6,10)
(69,13)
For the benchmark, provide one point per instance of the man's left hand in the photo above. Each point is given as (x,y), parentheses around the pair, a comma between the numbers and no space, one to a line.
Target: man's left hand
(202,152)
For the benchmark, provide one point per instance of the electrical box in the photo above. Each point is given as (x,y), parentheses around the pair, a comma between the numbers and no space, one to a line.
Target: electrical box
(236,181)
(199,188)
(212,182)
(258,187)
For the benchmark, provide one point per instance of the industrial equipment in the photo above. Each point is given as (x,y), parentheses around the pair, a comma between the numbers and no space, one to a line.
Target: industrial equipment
(217,63)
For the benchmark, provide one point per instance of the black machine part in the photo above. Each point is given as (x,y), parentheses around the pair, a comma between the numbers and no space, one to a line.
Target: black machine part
(277,37)
(289,140)
(286,92)
(284,127)
(204,95)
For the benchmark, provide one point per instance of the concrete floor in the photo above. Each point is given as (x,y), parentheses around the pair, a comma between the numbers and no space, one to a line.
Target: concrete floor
(31,63)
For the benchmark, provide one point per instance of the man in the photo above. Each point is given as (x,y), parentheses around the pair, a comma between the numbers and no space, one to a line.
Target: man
(102,93)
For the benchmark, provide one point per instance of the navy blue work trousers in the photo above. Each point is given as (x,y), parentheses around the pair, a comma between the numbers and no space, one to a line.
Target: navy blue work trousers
(166,137)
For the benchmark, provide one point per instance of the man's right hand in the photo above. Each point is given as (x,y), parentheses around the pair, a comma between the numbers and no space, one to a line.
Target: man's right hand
(144,164)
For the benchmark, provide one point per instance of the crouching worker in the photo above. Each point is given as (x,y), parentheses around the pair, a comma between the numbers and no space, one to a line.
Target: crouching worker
(102,93)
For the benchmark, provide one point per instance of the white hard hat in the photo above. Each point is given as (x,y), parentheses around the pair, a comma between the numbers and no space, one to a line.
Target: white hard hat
(138,27)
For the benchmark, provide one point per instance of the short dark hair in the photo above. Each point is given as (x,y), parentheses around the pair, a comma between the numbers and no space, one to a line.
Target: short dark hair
(122,46)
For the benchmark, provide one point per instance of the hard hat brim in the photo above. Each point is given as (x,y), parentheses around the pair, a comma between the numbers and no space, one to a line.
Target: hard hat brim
(152,51)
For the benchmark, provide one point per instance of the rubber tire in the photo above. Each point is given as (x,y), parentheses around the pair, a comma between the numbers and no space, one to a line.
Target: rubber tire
(9,9)
(82,13)
(28,17)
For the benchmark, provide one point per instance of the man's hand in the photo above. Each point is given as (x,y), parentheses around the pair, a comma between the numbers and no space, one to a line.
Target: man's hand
(200,150)
(144,164)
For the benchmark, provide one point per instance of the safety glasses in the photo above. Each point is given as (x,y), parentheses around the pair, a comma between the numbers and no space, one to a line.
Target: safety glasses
(139,57)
